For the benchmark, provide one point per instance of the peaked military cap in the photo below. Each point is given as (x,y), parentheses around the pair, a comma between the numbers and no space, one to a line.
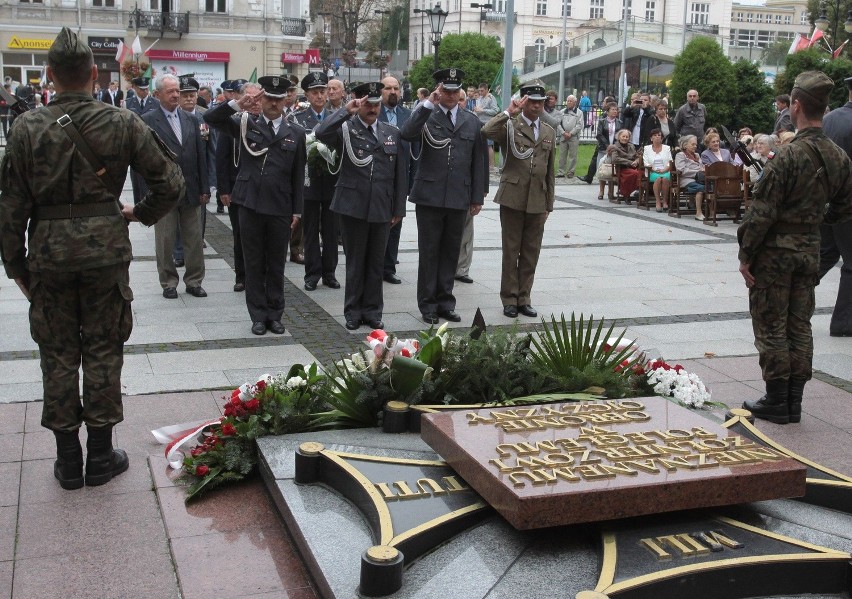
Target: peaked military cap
(372,90)
(141,81)
(188,83)
(68,50)
(226,85)
(314,80)
(275,86)
(451,78)
(534,91)
(816,84)
(237,84)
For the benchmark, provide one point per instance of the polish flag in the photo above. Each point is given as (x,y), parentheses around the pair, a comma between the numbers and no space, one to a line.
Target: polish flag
(837,52)
(815,37)
(800,42)
(137,46)
(122,52)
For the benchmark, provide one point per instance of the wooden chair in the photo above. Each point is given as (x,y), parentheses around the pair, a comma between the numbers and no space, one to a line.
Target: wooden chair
(724,191)
(646,189)
(680,200)
(611,184)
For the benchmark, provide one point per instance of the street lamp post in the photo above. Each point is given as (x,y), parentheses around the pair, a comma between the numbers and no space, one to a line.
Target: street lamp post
(421,12)
(482,8)
(822,23)
(562,53)
(326,16)
(382,41)
(437,18)
(346,14)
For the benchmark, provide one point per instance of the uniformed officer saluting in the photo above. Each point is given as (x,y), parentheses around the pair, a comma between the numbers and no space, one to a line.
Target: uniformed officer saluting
(268,190)
(370,197)
(526,193)
(64,239)
(450,182)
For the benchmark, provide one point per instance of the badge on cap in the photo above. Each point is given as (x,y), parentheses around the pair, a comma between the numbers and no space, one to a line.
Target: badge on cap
(275,81)
(453,73)
(372,88)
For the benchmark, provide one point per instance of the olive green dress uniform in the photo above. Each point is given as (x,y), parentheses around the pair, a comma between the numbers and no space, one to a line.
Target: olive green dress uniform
(526,197)
(78,267)
(779,238)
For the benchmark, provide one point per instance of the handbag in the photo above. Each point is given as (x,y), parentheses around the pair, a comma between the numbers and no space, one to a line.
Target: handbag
(606,170)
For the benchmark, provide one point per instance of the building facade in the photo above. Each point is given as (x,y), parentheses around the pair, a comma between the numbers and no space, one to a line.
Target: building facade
(215,39)
(754,28)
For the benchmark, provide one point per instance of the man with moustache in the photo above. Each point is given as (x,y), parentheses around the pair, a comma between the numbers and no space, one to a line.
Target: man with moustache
(269,189)
(317,217)
(394,113)
(449,184)
(370,197)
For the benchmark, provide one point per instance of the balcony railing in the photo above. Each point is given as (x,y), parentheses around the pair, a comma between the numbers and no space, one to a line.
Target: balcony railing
(294,27)
(160,21)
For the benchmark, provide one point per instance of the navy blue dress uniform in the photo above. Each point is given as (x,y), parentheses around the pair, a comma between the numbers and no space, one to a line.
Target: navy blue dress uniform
(450,179)
(318,221)
(370,192)
(227,166)
(398,116)
(140,106)
(269,190)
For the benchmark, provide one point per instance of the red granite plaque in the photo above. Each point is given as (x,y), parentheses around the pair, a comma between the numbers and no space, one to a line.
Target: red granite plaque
(556,464)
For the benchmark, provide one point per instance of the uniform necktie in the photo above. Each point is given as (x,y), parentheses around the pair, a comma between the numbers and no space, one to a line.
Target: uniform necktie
(392,117)
(535,129)
(371,133)
(450,118)
(174,121)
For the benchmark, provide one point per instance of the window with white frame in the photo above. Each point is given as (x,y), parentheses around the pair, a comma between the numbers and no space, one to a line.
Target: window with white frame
(566,8)
(541,8)
(650,10)
(764,38)
(499,5)
(804,18)
(788,20)
(539,50)
(777,19)
(103,3)
(628,6)
(220,6)
(732,41)
(745,37)
(32,1)
(740,16)
(596,9)
(759,18)
(700,13)
(750,18)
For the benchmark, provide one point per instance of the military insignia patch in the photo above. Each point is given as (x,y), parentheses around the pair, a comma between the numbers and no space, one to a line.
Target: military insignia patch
(372,87)
(453,73)
(275,81)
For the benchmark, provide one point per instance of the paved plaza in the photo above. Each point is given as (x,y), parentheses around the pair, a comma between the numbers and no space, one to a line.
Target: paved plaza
(672,283)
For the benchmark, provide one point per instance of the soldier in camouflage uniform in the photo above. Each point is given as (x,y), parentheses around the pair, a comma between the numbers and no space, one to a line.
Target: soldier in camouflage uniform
(76,272)
(807,182)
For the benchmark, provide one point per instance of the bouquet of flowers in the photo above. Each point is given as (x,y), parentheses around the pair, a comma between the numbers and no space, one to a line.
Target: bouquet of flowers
(321,158)
(675,381)
(131,69)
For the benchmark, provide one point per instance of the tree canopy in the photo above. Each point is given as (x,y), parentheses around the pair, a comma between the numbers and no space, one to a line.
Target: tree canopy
(479,56)
(704,67)
(816,60)
(754,108)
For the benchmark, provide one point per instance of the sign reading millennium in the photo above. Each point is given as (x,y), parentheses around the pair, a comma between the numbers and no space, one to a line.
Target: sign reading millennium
(556,464)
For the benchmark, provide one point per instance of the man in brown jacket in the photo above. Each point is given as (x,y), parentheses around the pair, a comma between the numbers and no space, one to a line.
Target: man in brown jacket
(525,194)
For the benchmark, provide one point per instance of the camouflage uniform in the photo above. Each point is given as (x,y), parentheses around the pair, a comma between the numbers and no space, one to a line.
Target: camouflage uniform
(78,267)
(779,238)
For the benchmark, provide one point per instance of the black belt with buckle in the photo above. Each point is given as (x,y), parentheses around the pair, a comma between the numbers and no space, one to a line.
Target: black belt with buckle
(60,211)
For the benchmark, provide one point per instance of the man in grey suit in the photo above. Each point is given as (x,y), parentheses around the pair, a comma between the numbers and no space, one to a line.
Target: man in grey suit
(269,191)
(180,132)
(450,182)
(394,113)
(370,197)
(140,103)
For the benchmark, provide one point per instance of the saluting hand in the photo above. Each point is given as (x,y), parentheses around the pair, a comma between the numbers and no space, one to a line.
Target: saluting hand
(250,101)
(517,106)
(354,104)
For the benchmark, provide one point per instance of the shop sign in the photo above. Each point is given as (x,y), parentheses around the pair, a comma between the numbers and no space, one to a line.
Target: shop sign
(19,43)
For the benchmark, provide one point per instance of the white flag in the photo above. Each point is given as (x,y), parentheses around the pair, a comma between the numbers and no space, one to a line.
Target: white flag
(137,46)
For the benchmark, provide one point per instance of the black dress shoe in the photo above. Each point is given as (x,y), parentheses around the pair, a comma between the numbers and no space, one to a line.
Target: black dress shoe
(179,263)
(527,310)
(170,293)
(196,291)
(449,315)
(297,258)
(510,311)
(352,325)
(374,323)
(276,327)
(258,328)
(310,285)
(239,286)
(392,278)
(464,279)
(220,210)
(331,283)
(430,318)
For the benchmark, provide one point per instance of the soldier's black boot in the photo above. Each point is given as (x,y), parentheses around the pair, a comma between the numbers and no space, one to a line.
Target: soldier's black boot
(796,389)
(68,468)
(772,406)
(102,461)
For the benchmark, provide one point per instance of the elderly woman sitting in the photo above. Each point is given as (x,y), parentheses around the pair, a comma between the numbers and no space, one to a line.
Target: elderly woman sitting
(658,158)
(623,154)
(691,171)
(763,145)
(715,152)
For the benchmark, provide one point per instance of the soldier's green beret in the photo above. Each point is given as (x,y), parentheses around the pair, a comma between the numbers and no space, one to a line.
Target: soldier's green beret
(68,50)
(816,84)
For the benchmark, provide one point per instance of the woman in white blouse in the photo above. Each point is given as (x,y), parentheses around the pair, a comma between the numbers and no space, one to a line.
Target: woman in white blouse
(658,157)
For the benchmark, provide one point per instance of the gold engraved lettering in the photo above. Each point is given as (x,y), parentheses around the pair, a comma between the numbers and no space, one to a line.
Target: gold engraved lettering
(741,442)
(452,484)
(687,445)
(534,463)
(503,467)
(566,474)
(703,463)
(545,478)
(568,420)
(588,432)
(696,547)
(679,543)
(607,418)
(516,478)
(639,438)
(722,539)
(610,440)
(712,444)
(385,491)
(474,418)
(619,469)
(548,422)
(433,487)
(569,444)
(632,405)
(643,465)
(734,458)
(637,416)
(593,472)
(702,433)
(559,458)
(763,453)
(672,464)
(518,426)
(655,548)
(587,458)
(671,435)
(405,491)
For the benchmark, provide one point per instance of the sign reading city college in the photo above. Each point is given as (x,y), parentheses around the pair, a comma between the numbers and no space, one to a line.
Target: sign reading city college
(189,55)
(106,45)
(19,43)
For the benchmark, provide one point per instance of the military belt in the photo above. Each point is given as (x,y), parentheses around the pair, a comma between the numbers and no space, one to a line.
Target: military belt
(60,211)
(787,228)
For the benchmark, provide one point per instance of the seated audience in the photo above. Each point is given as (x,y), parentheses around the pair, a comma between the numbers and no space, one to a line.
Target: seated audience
(623,154)
(763,144)
(658,157)
(691,171)
(659,119)
(715,152)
